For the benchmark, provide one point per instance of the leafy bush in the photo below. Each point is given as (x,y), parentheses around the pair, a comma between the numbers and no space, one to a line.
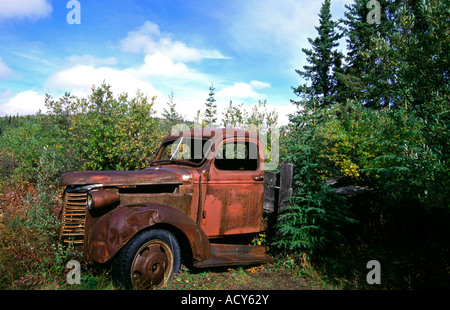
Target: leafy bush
(391,153)
(98,132)
(107,133)
(313,221)
(316,217)
(29,251)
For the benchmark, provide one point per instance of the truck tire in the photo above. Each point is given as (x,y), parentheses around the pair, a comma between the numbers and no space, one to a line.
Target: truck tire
(148,260)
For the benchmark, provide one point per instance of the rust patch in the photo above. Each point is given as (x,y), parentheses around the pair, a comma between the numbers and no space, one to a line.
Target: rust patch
(232,210)
(180,202)
(155,175)
(111,231)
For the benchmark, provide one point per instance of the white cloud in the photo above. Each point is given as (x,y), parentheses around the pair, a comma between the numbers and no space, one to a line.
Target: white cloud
(5,71)
(259,84)
(80,78)
(91,60)
(156,69)
(149,39)
(242,91)
(161,65)
(23,103)
(22,9)
(142,39)
(163,69)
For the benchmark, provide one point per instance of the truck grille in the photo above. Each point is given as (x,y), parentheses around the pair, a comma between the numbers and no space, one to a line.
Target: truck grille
(74,217)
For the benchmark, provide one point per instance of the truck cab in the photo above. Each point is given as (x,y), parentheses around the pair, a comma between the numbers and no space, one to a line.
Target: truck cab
(200,202)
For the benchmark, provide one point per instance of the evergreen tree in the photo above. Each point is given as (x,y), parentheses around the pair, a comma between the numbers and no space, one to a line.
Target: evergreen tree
(171,114)
(211,108)
(418,56)
(362,78)
(324,60)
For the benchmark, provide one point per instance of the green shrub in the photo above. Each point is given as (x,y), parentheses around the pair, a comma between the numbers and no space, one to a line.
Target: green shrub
(313,221)
(316,217)
(107,133)
(98,132)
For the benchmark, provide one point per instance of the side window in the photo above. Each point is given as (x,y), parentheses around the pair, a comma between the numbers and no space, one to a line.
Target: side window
(237,155)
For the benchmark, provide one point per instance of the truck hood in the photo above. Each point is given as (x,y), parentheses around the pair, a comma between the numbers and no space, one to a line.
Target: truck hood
(154,175)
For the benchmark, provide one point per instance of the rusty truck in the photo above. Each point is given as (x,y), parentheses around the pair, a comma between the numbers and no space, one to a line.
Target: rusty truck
(199,203)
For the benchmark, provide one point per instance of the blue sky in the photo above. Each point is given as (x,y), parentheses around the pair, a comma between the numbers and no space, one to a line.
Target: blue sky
(247,49)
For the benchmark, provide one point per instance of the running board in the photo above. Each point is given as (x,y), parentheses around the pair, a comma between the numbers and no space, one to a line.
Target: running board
(235,255)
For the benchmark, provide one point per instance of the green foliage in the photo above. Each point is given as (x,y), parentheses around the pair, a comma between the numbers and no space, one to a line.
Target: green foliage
(98,132)
(171,114)
(313,221)
(404,63)
(323,62)
(381,121)
(363,77)
(29,251)
(387,150)
(316,217)
(237,116)
(210,117)
(260,120)
(13,121)
(23,150)
(107,133)
(402,60)
(386,130)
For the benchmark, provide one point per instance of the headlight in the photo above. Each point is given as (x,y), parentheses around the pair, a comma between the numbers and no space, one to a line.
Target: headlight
(98,199)
(90,201)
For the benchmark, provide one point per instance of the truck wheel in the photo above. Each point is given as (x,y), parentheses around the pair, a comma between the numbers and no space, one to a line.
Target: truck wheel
(148,260)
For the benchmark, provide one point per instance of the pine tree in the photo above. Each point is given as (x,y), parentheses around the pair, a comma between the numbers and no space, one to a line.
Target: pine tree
(362,77)
(172,115)
(324,60)
(211,108)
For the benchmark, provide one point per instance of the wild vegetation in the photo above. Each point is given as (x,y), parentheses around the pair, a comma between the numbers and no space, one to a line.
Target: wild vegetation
(375,119)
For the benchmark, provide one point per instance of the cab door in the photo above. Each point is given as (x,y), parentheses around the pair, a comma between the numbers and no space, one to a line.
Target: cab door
(235,189)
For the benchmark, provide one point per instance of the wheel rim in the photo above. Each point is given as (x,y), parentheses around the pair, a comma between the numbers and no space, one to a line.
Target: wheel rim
(152,265)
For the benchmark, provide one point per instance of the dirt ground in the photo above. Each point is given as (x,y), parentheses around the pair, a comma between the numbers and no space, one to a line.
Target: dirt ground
(253,278)
(265,280)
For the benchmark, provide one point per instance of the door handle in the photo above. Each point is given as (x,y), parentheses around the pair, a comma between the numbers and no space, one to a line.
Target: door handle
(260,178)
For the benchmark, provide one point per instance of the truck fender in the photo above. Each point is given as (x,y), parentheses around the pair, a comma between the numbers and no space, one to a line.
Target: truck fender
(109,233)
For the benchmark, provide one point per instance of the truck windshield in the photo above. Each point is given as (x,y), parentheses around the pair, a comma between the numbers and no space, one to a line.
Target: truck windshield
(184,150)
